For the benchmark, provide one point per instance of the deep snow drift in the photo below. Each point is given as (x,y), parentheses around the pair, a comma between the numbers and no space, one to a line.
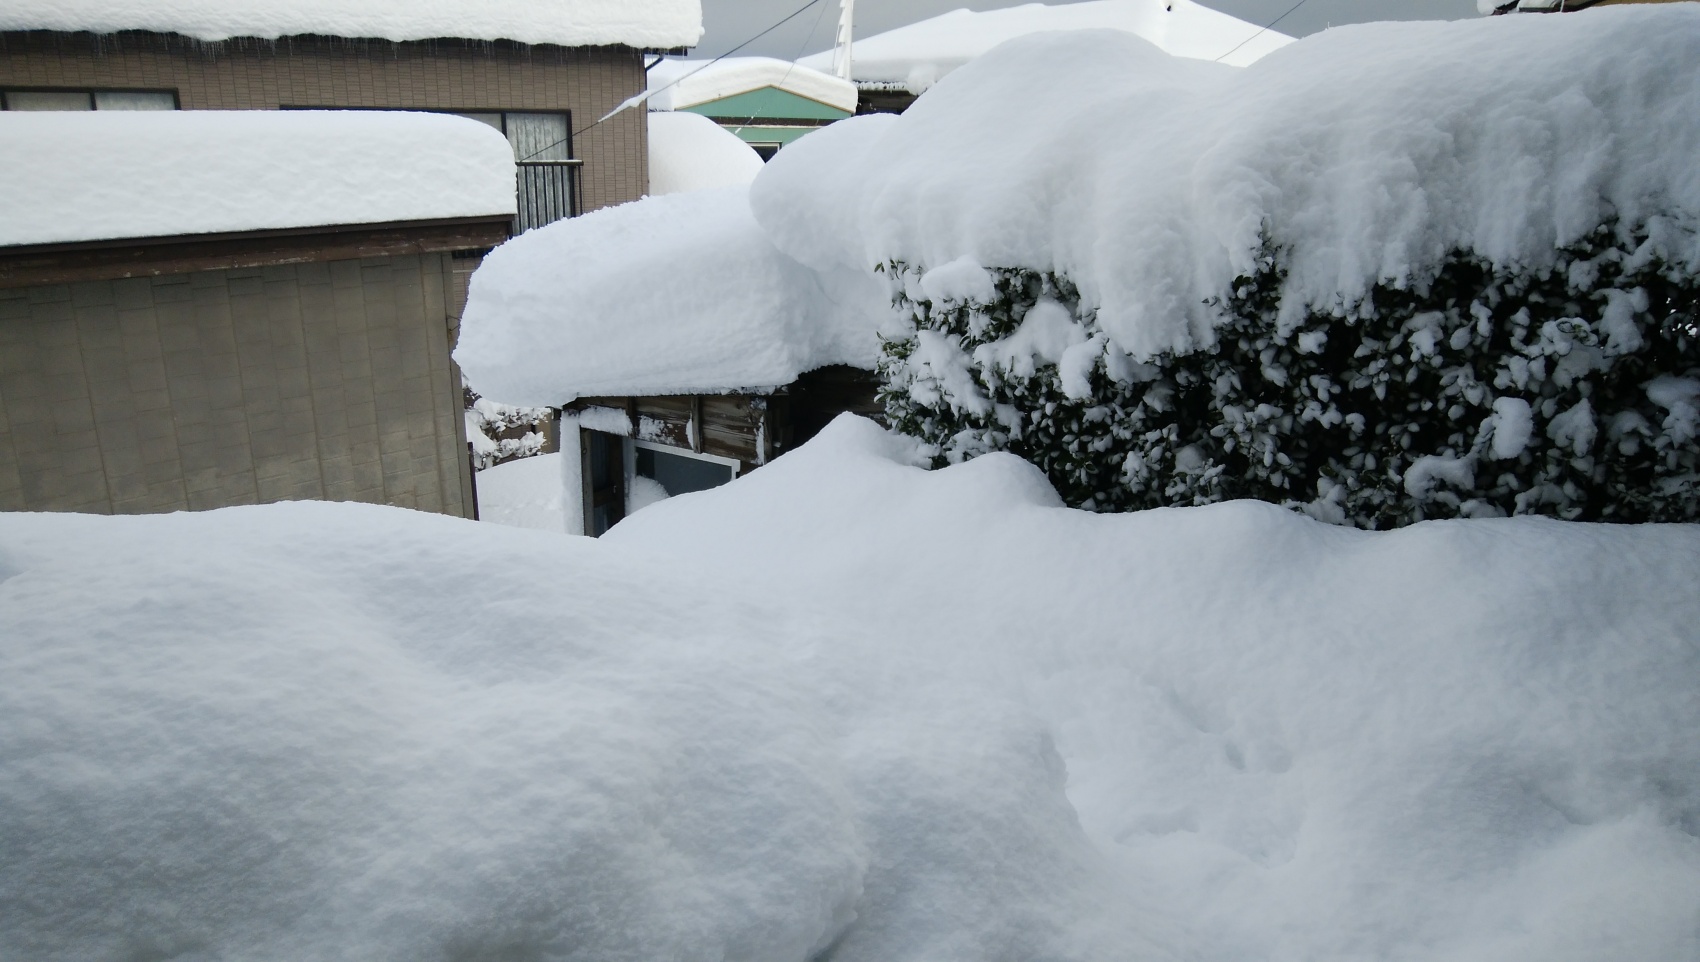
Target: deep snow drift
(982,727)
(106,175)
(690,152)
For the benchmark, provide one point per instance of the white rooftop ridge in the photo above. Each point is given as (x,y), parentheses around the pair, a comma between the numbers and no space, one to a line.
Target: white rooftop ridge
(915,56)
(679,84)
(649,24)
(74,176)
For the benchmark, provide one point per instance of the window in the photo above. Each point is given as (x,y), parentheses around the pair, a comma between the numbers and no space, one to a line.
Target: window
(88,100)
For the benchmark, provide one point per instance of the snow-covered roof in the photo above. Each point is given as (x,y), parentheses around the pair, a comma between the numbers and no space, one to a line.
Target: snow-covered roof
(680,294)
(690,152)
(571,23)
(73,176)
(916,56)
(686,83)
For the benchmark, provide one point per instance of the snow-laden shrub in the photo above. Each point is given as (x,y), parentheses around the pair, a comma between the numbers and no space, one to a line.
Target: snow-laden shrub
(500,433)
(1572,391)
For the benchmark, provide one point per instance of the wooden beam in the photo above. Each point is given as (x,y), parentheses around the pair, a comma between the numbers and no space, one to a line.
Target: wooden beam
(42,264)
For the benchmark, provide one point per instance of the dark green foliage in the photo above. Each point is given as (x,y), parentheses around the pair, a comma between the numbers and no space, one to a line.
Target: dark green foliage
(1379,417)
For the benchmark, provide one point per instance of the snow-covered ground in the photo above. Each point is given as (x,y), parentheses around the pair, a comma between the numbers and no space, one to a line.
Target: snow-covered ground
(108,175)
(848,703)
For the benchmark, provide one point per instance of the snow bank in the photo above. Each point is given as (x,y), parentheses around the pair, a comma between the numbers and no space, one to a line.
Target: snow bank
(1462,740)
(677,84)
(914,57)
(1365,153)
(334,731)
(109,175)
(679,294)
(690,152)
(524,493)
(570,23)
(983,727)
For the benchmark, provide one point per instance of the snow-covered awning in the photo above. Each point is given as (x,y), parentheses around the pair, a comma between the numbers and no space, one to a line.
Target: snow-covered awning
(658,24)
(914,57)
(680,84)
(108,175)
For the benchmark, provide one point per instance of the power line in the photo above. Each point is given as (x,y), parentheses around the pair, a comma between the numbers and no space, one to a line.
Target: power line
(640,98)
(1266,28)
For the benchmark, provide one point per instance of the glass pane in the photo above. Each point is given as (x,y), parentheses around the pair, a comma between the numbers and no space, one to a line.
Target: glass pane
(43,100)
(680,474)
(134,100)
(493,119)
(539,136)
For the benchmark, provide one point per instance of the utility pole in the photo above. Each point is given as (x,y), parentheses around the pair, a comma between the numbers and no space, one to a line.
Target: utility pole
(841,50)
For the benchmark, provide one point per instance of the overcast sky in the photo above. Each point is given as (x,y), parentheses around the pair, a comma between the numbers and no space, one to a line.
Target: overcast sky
(731,22)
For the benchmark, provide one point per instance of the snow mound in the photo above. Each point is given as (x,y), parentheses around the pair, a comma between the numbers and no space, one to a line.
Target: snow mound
(1364,153)
(1465,739)
(981,727)
(677,84)
(680,294)
(334,731)
(690,152)
(570,23)
(524,493)
(74,176)
(915,56)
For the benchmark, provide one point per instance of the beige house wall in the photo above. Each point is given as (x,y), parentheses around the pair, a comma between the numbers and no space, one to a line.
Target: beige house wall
(324,72)
(192,391)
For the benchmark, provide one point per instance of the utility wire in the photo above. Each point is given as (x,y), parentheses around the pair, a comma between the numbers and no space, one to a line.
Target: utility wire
(640,98)
(1266,29)
(807,39)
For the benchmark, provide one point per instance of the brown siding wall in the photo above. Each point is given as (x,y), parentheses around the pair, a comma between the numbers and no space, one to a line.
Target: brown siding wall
(323,72)
(193,391)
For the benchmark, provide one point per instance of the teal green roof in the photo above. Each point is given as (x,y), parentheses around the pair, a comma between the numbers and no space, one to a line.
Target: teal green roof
(768,103)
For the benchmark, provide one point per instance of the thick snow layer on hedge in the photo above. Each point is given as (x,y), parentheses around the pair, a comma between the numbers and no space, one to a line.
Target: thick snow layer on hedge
(571,23)
(74,176)
(1365,153)
(690,152)
(678,84)
(915,715)
(679,294)
(915,56)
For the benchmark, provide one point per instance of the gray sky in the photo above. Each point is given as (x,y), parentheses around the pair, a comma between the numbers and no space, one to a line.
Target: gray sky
(730,22)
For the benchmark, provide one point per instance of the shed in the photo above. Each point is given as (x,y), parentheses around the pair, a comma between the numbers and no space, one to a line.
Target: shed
(684,349)
(201,309)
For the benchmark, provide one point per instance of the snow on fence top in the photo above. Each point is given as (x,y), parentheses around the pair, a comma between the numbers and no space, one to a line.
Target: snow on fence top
(679,294)
(686,83)
(916,56)
(571,23)
(1365,153)
(120,174)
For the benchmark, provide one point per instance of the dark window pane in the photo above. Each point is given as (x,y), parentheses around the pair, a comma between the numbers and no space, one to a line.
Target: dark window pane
(680,474)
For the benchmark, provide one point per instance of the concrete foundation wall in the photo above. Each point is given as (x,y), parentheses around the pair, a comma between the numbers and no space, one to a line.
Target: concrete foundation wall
(323,72)
(194,391)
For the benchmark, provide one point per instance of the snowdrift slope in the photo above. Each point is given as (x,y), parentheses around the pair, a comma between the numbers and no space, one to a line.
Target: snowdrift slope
(981,727)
